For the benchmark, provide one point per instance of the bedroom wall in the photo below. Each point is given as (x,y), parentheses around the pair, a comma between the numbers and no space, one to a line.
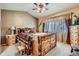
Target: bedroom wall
(16,18)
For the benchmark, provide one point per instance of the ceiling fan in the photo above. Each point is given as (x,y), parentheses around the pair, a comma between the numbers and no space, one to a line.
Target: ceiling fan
(40,7)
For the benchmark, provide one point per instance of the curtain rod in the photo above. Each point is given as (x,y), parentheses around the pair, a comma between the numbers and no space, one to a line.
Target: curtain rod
(51,17)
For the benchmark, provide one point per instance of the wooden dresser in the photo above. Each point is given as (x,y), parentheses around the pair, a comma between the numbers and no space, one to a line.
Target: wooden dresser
(43,43)
(74,35)
(10,39)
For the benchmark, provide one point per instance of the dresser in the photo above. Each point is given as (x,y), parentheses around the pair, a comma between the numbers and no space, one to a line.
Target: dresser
(42,43)
(10,39)
(74,35)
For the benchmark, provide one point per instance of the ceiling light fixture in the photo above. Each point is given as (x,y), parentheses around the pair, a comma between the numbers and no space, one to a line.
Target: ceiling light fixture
(40,7)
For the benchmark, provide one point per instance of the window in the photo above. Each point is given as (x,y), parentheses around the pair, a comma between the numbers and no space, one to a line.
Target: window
(55,26)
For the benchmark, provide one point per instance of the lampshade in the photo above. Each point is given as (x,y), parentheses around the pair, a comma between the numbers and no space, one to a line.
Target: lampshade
(12,28)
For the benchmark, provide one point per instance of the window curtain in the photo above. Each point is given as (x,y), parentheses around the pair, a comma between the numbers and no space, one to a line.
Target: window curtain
(56,26)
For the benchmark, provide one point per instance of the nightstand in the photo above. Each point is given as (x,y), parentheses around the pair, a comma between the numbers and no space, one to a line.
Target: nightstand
(10,39)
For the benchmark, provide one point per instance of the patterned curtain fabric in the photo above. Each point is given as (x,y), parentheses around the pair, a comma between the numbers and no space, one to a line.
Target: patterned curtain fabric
(56,26)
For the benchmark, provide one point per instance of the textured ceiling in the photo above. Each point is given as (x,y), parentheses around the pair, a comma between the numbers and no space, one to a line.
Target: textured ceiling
(52,8)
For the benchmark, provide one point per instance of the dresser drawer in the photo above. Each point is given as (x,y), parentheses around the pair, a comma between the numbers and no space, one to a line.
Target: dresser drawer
(74,35)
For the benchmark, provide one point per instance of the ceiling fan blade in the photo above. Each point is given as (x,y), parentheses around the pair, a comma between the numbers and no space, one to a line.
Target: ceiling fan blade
(34,8)
(35,3)
(46,3)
